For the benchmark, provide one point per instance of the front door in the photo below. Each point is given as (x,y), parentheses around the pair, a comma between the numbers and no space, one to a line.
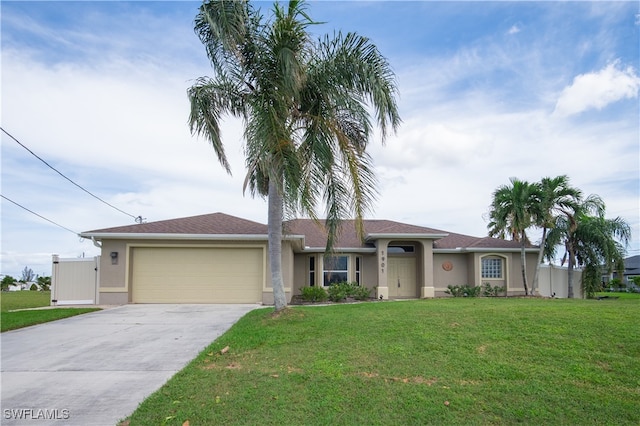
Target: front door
(401,277)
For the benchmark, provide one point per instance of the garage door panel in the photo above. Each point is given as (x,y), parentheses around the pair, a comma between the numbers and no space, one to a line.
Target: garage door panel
(197,275)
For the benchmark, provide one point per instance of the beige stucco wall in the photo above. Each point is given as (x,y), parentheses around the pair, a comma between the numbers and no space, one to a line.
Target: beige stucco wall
(300,270)
(288,274)
(113,276)
(110,298)
(369,272)
(458,275)
(466,269)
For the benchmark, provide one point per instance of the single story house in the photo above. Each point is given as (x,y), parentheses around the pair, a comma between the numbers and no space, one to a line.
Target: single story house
(218,258)
(631,269)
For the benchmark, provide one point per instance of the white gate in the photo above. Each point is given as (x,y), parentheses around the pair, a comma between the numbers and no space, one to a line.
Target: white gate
(74,281)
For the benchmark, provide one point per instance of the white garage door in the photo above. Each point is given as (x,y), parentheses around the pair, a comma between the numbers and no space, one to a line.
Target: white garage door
(197,275)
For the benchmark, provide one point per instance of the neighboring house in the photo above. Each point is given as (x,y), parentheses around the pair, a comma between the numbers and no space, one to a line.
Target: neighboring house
(20,286)
(631,269)
(217,258)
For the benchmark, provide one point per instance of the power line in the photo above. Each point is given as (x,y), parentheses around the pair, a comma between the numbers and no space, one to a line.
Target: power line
(40,216)
(138,219)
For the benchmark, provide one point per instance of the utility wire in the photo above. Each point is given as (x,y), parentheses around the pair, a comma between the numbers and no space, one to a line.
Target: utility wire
(40,216)
(136,218)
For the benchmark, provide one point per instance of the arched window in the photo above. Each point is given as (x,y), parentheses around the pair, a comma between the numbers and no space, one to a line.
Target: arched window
(492,267)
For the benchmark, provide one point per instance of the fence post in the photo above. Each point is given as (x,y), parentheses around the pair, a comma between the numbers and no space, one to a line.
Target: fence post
(96,299)
(55,266)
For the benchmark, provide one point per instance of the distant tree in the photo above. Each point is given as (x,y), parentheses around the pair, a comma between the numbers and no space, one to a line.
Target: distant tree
(7,281)
(512,212)
(44,283)
(27,275)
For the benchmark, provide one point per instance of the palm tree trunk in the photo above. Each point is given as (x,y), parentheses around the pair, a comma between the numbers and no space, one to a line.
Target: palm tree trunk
(536,276)
(274,224)
(523,262)
(570,273)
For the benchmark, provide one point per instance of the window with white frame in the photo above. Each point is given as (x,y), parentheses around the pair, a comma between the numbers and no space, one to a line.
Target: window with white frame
(492,267)
(336,270)
(312,271)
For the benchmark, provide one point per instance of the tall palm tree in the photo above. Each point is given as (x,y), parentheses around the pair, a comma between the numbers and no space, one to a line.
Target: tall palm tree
(556,197)
(512,212)
(305,107)
(586,234)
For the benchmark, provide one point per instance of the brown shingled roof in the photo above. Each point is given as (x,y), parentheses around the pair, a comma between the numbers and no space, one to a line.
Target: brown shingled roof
(453,241)
(215,224)
(314,233)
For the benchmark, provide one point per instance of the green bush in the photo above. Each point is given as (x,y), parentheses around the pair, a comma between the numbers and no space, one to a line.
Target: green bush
(340,291)
(491,291)
(314,294)
(616,284)
(361,292)
(33,287)
(463,290)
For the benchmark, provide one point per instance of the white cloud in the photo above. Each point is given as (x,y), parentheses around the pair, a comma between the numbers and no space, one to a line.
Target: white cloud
(116,121)
(515,29)
(598,89)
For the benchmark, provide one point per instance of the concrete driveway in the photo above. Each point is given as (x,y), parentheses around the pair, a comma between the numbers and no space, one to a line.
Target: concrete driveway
(95,369)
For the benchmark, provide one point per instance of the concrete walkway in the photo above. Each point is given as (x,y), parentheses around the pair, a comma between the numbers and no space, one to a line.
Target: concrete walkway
(95,369)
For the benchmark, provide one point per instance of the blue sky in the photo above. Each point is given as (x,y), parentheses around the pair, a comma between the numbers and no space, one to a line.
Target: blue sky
(488,90)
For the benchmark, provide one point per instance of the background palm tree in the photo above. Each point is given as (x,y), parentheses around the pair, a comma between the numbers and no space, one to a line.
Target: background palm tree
(512,212)
(556,197)
(589,238)
(305,107)
(591,241)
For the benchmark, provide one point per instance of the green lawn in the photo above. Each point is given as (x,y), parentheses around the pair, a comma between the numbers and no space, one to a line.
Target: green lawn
(10,301)
(614,295)
(444,361)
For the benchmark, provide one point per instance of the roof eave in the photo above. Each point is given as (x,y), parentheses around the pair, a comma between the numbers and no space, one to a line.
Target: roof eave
(484,250)
(166,236)
(340,250)
(404,236)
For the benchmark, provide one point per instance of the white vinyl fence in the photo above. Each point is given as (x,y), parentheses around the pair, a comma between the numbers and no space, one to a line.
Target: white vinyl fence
(553,282)
(74,281)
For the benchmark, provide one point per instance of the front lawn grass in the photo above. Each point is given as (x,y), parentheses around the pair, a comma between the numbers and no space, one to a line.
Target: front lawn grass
(618,295)
(445,361)
(11,301)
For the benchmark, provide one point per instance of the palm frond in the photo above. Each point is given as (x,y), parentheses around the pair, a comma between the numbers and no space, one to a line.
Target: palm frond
(209,99)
